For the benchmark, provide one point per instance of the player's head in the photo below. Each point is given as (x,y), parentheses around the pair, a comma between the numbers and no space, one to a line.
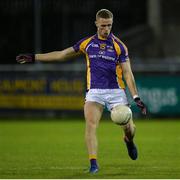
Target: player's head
(104,21)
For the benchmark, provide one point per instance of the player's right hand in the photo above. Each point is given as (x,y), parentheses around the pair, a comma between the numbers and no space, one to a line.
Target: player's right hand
(25,58)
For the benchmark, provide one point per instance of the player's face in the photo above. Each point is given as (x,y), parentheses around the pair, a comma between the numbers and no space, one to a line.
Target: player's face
(104,26)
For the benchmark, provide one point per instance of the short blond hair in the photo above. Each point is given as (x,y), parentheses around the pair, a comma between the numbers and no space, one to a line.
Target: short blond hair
(104,13)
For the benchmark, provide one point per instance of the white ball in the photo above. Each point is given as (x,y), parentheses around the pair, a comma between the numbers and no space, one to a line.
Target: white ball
(121,114)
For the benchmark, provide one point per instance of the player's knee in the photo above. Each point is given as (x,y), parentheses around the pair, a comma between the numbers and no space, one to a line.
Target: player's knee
(121,114)
(91,123)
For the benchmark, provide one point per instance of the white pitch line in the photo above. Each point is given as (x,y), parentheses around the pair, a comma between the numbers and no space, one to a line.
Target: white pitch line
(43,168)
(79,168)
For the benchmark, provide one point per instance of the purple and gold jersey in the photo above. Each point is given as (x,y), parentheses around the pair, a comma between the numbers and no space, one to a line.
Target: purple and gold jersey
(103,56)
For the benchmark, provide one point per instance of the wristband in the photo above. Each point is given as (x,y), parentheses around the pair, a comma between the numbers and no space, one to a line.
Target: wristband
(135,96)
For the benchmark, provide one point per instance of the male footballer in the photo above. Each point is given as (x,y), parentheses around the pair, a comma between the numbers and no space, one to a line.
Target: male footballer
(107,61)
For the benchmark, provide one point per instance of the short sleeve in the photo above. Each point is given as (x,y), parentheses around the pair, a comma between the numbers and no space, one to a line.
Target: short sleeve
(81,45)
(77,45)
(123,57)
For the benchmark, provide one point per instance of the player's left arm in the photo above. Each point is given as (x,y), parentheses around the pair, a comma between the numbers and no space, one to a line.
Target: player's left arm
(130,81)
(129,77)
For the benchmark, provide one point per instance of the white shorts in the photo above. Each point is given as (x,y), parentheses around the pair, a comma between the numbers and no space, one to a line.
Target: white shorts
(107,97)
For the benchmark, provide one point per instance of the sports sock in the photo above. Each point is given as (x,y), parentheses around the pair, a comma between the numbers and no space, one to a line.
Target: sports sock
(93,160)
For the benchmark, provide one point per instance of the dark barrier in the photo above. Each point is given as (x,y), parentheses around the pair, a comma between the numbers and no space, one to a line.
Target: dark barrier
(42,90)
(64,90)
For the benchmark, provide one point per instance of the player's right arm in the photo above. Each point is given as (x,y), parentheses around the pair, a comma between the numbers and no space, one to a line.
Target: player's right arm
(57,55)
(48,57)
(76,50)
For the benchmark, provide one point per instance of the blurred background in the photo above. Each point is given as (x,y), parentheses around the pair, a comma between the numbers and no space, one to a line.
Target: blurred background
(149,28)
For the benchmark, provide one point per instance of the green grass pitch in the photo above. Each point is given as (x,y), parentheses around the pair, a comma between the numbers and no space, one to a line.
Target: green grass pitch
(56,149)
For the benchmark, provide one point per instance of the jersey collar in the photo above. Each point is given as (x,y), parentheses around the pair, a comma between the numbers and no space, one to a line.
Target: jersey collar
(100,38)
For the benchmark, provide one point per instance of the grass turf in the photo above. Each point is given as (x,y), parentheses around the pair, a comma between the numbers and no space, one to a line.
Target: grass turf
(56,149)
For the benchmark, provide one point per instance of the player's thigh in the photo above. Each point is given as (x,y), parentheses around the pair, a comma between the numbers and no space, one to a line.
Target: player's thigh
(93,112)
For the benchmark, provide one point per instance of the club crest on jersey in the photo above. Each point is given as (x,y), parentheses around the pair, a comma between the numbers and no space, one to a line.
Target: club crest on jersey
(102,46)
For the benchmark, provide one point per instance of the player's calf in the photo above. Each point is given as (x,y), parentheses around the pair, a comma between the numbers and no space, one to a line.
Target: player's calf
(129,130)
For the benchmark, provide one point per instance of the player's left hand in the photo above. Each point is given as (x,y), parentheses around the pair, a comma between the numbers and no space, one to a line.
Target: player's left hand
(25,58)
(141,105)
